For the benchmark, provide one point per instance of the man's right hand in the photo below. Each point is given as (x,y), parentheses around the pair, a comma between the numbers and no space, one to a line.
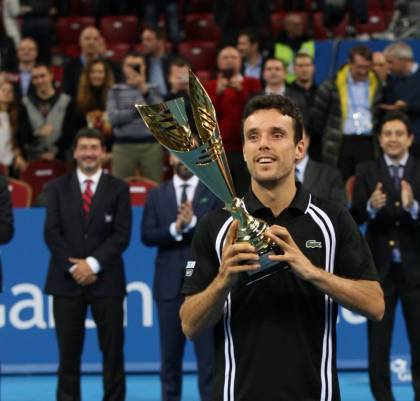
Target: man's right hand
(46,130)
(222,84)
(378,197)
(237,257)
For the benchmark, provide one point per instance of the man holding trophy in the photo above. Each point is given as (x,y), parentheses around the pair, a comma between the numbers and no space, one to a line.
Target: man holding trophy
(268,270)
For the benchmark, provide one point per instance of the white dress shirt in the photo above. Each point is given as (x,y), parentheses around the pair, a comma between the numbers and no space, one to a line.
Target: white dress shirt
(301,167)
(178,185)
(82,178)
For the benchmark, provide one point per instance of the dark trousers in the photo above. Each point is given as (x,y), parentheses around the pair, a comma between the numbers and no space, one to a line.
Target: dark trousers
(70,314)
(172,343)
(380,335)
(354,149)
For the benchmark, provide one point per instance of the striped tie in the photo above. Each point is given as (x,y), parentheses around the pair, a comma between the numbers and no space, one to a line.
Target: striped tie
(87,197)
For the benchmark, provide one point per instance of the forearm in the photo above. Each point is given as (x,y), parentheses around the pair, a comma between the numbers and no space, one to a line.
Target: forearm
(203,310)
(362,296)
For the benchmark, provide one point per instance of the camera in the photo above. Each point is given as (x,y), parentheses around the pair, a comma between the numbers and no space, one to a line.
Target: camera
(228,73)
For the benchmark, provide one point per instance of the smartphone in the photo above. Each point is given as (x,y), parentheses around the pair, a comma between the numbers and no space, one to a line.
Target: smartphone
(228,73)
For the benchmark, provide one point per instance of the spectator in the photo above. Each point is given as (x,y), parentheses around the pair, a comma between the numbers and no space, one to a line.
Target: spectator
(10,154)
(86,268)
(319,179)
(134,147)
(96,80)
(27,58)
(380,66)
(252,57)
(37,24)
(292,40)
(154,8)
(11,9)
(169,219)
(234,15)
(402,91)
(386,196)
(157,58)
(274,74)
(345,112)
(229,93)
(302,90)
(46,119)
(91,46)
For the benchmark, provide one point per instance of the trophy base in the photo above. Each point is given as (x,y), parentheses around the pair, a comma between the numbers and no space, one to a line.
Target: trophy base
(268,268)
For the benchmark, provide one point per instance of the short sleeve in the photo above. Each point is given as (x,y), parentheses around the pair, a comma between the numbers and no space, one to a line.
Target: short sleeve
(203,267)
(353,257)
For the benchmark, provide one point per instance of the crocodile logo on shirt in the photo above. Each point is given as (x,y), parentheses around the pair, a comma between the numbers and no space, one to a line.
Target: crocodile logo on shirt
(311,243)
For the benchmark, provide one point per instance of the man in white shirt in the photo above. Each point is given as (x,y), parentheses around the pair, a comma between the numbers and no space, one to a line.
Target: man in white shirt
(169,220)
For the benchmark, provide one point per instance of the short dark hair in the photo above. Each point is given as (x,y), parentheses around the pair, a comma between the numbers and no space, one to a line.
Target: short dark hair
(396,115)
(179,62)
(41,65)
(134,53)
(86,132)
(360,50)
(274,59)
(304,55)
(280,103)
(251,34)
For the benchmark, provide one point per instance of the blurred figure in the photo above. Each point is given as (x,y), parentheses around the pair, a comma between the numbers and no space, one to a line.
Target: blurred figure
(320,179)
(345,112)
(252,58)
(46,119)
(380,66)
(169,8)
(135,150)
(8,59)
(402,91)
(11,10)
(96,80)
(229,93)
(386,196)
(292,40)
(27,58)
(10,153)
(274,77)
(234,15)
(157,58)
(170,216)
(91,47)
(86,268)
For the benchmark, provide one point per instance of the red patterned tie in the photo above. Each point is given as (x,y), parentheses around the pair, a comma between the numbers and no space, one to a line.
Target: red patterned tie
(87,197)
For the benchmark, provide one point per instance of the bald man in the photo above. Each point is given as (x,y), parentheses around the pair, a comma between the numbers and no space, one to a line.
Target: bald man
(229,93)
(91,44)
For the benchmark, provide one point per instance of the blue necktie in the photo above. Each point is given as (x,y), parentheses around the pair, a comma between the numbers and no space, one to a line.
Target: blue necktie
(396,178)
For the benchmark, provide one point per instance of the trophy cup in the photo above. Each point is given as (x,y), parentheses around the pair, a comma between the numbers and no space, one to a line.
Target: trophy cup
(205,156)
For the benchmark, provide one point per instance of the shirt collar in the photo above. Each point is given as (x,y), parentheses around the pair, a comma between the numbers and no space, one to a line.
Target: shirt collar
(193,181)
(83,177)
(281,91)
(351,81)
(414,68)
(302,164)
(389,162)
(300,201)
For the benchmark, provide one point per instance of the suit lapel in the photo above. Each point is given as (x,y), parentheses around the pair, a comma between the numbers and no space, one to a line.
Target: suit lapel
(171,199)
(98,197)
(200,197)
(386,179)
(410,170)
(76,197)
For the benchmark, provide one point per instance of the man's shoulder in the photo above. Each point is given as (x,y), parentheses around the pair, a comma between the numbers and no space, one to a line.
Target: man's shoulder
(325,209)
(324,168)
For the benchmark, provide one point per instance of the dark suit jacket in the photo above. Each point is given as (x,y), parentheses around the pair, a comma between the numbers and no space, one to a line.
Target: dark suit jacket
(104,235)
(6,217)
(159,212)
(324,181)
(392,224)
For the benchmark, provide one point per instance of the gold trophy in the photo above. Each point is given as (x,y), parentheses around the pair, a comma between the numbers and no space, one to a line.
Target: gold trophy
(205,156)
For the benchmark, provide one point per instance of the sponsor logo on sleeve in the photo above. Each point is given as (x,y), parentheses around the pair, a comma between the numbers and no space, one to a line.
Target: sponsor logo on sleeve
(189,269)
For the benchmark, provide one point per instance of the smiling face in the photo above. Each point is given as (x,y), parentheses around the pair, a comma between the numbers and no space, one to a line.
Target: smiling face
(395,139)
(88,154)
(97,74)
(269,147)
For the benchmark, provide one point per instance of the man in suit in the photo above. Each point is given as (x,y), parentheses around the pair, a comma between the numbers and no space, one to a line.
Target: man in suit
(386,195)
(87,229)
(169,219)
(320,179)
(6,218)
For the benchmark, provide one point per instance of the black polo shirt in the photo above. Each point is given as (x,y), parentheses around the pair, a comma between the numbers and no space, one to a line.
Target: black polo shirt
(276,340)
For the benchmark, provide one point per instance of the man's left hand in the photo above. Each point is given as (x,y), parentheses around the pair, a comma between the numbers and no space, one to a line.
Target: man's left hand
(83,274)
(293,256)
(407,197)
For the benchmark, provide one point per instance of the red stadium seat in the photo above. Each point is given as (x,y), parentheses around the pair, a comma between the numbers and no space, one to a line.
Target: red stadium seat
(40,172)
(117,51)
(201,55)
(68,29)
(4,170)
(201,27)
(377,23)
(21,193)
(321,32)
(380,5)
(120,29)
(200,6)
(139,187)
(350,188)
